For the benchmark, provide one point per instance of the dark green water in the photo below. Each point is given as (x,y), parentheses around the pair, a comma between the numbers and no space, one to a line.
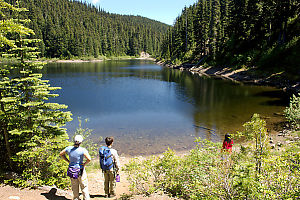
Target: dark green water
(148,108)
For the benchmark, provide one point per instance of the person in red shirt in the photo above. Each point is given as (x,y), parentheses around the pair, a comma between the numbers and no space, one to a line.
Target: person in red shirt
(227,143)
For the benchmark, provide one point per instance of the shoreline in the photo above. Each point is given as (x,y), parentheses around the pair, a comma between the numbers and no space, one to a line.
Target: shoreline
(74,61)
(96,180)
(97,60)
(242,75)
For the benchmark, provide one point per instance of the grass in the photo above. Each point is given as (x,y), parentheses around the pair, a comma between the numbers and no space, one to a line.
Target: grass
(93,166)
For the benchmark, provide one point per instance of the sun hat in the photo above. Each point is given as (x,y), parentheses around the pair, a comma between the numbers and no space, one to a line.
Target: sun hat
(78,139)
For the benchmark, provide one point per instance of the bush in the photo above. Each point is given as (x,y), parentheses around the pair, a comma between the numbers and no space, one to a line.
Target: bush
(206,173)
(87,143)
(292,112)
(42,164)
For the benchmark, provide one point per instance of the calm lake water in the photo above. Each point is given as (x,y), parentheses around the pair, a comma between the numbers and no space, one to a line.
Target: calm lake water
(148,108)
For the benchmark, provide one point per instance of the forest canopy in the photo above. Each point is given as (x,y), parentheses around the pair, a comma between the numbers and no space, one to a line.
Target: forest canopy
(234,33)
(72,28)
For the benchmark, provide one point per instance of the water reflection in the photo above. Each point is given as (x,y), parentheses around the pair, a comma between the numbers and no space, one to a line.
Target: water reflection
(149,108)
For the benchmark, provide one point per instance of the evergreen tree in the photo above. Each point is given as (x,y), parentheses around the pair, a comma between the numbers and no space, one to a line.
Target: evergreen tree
(236,32)
(72,28)
(31,125)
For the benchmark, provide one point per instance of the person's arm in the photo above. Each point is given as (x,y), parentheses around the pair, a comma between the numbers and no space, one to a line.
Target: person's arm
(88,158)
(117,161)
(62,154)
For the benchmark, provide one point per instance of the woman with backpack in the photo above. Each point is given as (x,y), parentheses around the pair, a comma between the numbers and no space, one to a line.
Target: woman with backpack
(76,170)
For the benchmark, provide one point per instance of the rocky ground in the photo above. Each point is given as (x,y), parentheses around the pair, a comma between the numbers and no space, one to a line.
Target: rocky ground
(249,75)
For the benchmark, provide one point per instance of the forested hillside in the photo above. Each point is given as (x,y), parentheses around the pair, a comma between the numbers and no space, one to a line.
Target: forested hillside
(233,33)
(71,28)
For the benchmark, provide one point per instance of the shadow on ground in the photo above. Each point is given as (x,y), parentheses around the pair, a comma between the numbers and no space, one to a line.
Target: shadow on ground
(51,195)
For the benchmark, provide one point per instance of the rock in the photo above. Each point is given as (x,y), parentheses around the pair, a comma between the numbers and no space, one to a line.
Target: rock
(144,55)
(273,146)
(14,197)
(279,144)
(271,141)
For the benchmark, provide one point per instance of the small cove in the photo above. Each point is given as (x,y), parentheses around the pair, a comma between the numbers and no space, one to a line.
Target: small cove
(148,108)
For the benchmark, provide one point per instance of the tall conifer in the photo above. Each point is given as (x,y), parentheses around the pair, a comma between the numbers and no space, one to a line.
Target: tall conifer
(30,123)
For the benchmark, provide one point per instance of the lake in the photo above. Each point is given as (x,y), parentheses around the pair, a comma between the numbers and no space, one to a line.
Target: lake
(148,108)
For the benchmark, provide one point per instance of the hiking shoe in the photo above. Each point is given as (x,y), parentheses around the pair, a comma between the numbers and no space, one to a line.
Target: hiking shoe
(111,196)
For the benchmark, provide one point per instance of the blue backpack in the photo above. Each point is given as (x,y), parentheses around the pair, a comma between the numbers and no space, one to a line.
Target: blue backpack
(106,161)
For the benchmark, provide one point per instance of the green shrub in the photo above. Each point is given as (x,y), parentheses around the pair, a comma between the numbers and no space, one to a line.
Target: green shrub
(292,112)
(42,164)
(206,173)
(88,142)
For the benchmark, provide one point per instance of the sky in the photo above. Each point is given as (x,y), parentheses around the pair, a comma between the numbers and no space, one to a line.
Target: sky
(164,11)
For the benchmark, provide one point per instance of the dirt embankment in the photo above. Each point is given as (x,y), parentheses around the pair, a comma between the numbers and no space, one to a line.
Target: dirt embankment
(249,76)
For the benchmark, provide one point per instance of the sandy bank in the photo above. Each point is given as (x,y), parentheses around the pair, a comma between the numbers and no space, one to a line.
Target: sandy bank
(75,61)
(153,59)
(97,60)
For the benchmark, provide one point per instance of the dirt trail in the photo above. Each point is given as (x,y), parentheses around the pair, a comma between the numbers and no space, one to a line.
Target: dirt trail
(96,183)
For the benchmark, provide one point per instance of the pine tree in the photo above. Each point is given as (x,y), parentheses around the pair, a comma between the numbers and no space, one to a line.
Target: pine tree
(235,32)
(72,28)
(30,123)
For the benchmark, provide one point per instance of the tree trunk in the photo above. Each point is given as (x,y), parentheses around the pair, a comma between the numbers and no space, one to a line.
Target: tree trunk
(270,32)
(5,133)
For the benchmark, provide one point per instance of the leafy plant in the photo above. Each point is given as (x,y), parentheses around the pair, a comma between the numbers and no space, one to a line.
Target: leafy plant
(256,131)
(41,163)
(292,112)
(87,143)
(207,173)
